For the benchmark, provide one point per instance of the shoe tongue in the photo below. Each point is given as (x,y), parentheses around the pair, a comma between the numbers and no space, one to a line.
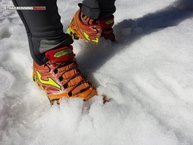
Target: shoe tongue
(60,55)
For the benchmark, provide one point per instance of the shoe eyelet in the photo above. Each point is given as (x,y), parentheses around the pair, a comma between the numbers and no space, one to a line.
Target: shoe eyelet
(55,71)
(61,78)
(70,94)
(65,86)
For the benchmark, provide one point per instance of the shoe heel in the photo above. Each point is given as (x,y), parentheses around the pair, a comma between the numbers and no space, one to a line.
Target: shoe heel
(34,77)
(71,32)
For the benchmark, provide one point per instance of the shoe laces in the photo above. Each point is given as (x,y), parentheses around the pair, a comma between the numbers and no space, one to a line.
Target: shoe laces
(70,76)
(87,20)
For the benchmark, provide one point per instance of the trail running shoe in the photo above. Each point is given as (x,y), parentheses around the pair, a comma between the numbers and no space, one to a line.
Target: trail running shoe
(60,77)
(89,29)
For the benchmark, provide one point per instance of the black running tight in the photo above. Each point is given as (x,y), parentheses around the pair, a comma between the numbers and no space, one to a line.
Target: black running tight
(44,28)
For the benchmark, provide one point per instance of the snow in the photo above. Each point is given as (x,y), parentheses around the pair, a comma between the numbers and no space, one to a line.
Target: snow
(148,74)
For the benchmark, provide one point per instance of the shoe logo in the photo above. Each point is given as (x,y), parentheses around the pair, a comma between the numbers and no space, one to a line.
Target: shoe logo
(49,81)
(109,22)
(88,38)
(62,53)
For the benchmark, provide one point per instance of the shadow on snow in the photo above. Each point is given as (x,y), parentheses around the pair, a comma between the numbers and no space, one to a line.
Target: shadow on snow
(93,56)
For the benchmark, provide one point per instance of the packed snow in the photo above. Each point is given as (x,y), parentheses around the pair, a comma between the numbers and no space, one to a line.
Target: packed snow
(148,74)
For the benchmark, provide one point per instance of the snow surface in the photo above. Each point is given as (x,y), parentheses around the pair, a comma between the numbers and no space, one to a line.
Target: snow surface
(148,74)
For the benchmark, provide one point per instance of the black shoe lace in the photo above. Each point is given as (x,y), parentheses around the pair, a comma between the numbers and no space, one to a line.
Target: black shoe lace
(73,66)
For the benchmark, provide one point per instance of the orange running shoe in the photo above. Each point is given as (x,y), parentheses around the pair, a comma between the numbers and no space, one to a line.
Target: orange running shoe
(89,29)
(60,77)
(79,29)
